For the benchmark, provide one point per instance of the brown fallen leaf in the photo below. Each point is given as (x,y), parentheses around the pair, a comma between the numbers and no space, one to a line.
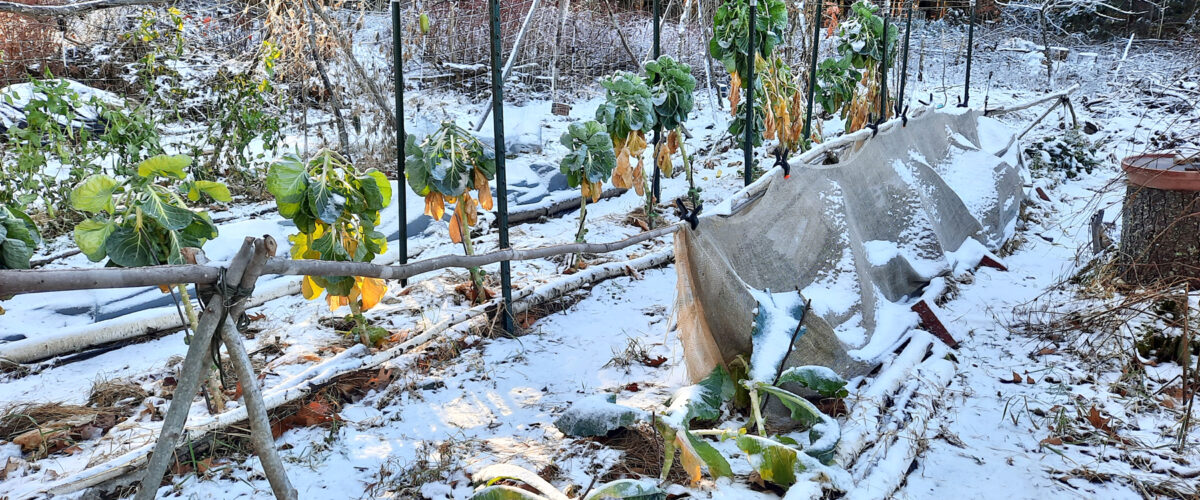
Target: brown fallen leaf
(1052,441)
(256,316)
(1098,421)
(10,466)
(654,362)
(1046,351)
(632,387)
(1028,380)
(1016,379)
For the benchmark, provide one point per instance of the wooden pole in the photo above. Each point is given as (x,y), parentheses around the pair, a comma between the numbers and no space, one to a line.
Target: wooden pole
(256,409)
(195,367)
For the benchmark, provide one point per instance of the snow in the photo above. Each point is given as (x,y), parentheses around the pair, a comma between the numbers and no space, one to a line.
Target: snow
(776,310)
(931,422)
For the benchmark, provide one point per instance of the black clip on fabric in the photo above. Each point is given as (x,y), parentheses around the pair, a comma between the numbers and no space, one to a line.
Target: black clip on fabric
(781,155)
(691,216)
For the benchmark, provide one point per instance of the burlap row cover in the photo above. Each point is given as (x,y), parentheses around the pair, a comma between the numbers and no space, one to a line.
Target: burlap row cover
(860,238)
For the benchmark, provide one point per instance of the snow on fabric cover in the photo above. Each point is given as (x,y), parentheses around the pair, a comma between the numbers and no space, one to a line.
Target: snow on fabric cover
(860,238)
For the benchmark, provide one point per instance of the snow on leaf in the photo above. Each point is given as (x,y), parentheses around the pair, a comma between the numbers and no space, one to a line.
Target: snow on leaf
(596,416)
(627,489)
(818,378)
(775,320)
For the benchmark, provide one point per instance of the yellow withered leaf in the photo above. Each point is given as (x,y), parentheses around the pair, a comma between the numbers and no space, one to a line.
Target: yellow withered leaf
(372,290)
(735,94)
(621,174)
(636,143)
(691,461)
(435,205)
(337,301)
(455,229)
(310,289)
(470,209)
(485,190)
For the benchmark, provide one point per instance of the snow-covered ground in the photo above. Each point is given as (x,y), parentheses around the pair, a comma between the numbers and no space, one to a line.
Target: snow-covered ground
(471,401)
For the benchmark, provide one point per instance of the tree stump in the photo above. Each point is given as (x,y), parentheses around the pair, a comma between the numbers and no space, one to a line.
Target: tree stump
(1160,233)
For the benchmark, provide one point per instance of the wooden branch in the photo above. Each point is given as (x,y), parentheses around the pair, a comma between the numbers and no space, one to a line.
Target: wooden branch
(1029,104)
(68,9)
(327,268)
(195,368)
(13,282)
(256,409)
(372,88)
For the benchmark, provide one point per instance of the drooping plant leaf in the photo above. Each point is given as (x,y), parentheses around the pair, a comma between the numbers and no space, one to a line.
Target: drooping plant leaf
(169,166)
(627,489)
(95,194)
(774,462)
(504,492)
(825,381)
(90,236)
(700,401)
(694,452)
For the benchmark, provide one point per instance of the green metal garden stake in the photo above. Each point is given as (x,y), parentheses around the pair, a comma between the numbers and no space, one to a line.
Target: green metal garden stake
(501,177)
(401,193)
(812,78)
(748,142)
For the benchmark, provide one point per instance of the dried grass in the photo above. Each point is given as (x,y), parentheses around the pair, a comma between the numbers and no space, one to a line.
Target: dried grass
(21,418)
(106,393)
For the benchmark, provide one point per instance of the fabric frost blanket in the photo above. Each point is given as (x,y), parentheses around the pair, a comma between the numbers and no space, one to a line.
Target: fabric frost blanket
(861,238)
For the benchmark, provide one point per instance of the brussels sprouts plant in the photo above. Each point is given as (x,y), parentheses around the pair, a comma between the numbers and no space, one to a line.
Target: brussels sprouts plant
(590,162)
(446,167)
(336,210)
(672,84)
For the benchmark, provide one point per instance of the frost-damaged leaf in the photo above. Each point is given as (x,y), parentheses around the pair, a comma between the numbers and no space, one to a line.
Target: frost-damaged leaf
(772,460)
(597,416)
(164,166)
(492,473)
(694,452)
(627,489)
(825,431)
(818,378)
(504,492)
(775,320)
(94,194)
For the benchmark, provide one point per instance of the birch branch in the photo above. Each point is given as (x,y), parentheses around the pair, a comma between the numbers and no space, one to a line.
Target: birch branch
(14,282)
